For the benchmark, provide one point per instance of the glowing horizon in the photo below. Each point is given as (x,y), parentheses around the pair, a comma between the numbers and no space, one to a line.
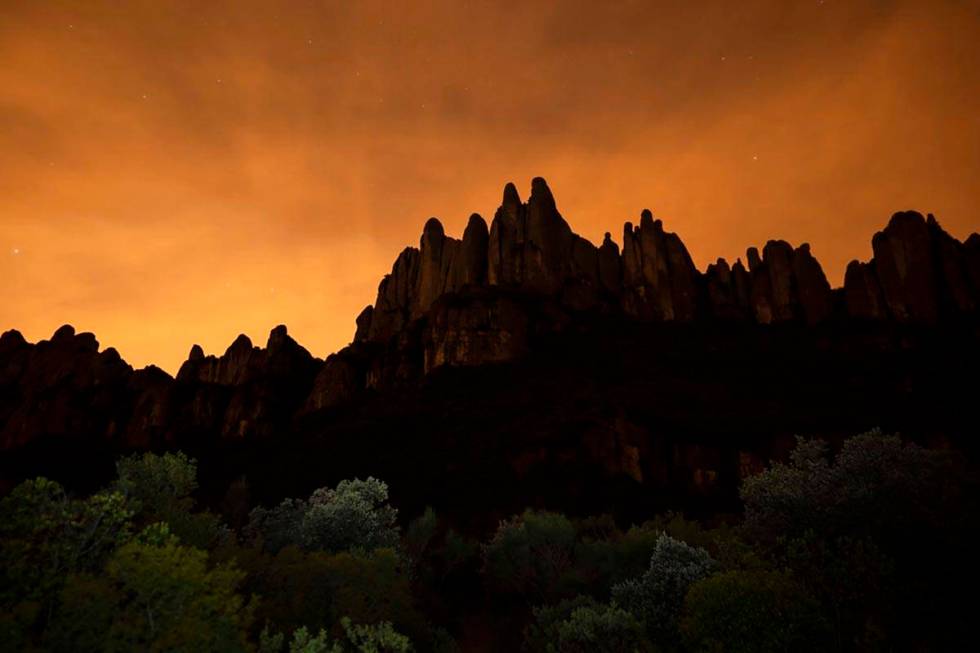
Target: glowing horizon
(180,175)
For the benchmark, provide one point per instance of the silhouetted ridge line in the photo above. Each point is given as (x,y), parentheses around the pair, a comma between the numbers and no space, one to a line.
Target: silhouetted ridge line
(496,295)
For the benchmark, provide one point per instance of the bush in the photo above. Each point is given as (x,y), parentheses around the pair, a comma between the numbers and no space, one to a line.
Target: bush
(657,597)
(601,629)
(542,633)
(532,555)
(354,515)
(752,612)
(357,638)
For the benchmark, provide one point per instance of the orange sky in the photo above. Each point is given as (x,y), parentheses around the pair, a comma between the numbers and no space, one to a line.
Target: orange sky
(181,172)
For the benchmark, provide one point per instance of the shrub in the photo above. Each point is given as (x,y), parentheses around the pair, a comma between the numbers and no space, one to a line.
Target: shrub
(601,629)
(354,515)
(542,633)
(657,597)
(752,612)
(531,554)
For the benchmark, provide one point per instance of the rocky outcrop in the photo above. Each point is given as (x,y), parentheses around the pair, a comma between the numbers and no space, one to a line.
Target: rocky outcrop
(905,268)
(490,297)
(727,290)
(66,388)
(248,391)
(920,274)
(659,278)
(787,285)
(396,296)
(473,261)
(452,302)
(61,387)
(862,292)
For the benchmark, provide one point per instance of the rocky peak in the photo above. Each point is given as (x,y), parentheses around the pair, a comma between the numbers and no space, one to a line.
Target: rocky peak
(658,274)
(905,268)
(11,339)
(279,338)
(919,273)
(548,248)
(473,259)
(63,333)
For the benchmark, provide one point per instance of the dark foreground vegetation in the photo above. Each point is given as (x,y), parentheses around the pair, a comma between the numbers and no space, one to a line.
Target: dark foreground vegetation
(866,548)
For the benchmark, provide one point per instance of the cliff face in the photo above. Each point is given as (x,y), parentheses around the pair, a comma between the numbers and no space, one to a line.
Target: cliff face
(508,292)
(464,303)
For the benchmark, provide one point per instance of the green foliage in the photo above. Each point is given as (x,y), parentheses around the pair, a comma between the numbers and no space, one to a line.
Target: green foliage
(875,482)
(160,487)
(317,589)
(601,629)
(278,527)
(356,638)
(46,535)
(270,642)
(375,638)
(657,597)
(354,515)
(160,484)
(852,577)
(154,597)
(532,554)
(542,633)
(752,612)
(855,529)
(613,557)
(303,642)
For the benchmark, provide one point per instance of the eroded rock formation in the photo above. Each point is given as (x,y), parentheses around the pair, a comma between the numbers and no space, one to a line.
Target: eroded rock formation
(485,298)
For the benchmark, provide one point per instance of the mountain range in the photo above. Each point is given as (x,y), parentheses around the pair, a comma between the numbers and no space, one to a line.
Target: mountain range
(523,363)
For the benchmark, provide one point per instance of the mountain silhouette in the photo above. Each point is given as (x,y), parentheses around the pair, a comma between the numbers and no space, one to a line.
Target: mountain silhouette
(521,364)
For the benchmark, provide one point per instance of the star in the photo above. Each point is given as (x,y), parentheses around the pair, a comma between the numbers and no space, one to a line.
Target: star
(755,158)
(15,251)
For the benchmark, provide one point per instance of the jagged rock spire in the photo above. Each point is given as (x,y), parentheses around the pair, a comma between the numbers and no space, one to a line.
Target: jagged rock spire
(918,272)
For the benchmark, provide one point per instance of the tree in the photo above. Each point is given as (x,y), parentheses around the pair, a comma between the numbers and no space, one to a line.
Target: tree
(657,597)
(875,485)
(161,488)
(354,515)
(161,484)
(317,589)
(531,554)
(46,535)
(357,638)
(602,629)
(542,634)
(752,612)
(155,595)
(850,525)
